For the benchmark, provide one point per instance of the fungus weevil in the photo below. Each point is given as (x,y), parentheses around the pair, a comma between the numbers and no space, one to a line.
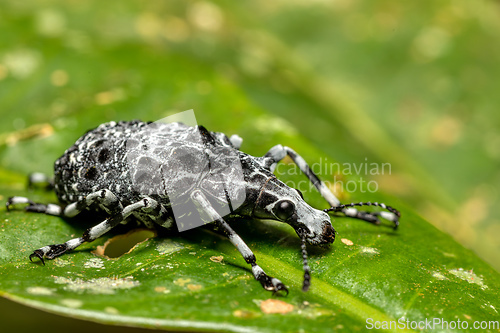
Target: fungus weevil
(130,169)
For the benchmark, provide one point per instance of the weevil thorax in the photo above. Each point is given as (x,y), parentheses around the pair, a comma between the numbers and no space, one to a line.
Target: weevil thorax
(270,198)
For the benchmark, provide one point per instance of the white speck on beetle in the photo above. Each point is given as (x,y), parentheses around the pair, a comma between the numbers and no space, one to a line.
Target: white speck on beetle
(97,286)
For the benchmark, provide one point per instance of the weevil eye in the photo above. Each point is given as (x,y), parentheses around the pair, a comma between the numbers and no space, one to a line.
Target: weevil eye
(284,209)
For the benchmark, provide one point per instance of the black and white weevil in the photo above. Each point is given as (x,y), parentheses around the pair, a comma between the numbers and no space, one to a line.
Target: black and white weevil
(129,170)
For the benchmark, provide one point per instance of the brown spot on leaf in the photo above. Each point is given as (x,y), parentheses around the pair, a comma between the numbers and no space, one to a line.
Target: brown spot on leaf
(216,258)
(275,306)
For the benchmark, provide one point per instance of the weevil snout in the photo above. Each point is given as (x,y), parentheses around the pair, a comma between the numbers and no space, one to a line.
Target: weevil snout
(315,227)
(328,234)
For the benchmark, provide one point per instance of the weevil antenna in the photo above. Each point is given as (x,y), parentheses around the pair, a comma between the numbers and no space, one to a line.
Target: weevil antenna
(340,207)
(307,271)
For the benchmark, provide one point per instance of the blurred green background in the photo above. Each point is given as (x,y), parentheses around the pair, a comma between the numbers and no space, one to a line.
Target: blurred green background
(413,84)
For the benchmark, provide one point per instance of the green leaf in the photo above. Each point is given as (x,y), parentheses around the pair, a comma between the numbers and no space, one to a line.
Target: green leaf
(177,282)
(263,92)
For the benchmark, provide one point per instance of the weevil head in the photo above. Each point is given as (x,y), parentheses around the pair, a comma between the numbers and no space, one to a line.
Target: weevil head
(277,201)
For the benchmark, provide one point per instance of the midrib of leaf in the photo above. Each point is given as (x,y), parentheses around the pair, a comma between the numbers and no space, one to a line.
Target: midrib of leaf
(338,263)
(321,289)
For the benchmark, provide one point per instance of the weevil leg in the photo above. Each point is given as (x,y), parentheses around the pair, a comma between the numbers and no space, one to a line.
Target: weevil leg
(91,234)
(372,217)
(205,209)
(156,213)
(278,152)
(38,179)
(104,198)
(49,209)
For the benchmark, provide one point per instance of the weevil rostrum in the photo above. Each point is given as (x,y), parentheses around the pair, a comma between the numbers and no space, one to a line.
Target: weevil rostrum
(134,170)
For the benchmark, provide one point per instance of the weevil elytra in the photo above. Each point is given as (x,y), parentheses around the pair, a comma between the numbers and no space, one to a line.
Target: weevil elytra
(165,174)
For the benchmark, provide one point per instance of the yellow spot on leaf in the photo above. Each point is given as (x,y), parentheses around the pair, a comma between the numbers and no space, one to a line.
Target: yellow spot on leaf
(3,72)
(108,97)
(216,258)
(275,306)
(245,314)
(72,303)
(205,16)
(162,290)
(111,310)
(40,291)
(446,132)
(181,282)
(35,131)
(347,241)
(194,287)
(59,78)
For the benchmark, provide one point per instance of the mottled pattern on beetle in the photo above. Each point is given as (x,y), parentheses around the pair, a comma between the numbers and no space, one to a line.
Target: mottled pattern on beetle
(137,159)
(95,162)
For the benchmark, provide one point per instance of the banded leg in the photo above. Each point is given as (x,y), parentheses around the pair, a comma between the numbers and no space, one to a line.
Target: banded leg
(278,152)
(205,209)
(38,179)
(105,199)
(155,213)
(49,209)
(91,234)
